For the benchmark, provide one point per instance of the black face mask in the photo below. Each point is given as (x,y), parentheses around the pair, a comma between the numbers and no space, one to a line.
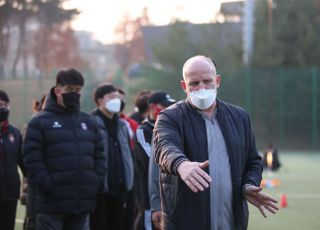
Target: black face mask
(4,114)
(123,104)
(71,101)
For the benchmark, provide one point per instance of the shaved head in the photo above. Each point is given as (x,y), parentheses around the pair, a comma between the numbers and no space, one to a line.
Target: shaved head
(198,64)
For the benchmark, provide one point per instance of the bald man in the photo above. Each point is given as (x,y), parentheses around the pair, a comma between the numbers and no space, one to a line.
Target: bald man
(209,164)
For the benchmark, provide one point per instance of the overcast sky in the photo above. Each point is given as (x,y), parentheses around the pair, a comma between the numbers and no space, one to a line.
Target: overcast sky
(101,16)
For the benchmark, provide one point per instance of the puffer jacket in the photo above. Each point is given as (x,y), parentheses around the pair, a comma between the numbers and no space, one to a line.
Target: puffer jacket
(180,134)
(63,155)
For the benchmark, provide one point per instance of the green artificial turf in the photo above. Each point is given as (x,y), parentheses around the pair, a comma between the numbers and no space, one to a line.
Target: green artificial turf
(300,181)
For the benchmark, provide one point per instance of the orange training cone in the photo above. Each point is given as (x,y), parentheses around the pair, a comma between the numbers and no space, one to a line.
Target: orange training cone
(283,201)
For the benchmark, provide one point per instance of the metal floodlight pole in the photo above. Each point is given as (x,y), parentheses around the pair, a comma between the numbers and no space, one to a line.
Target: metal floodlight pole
(248,31)
(270,27)
(314,102)
(248,34)
(270,15)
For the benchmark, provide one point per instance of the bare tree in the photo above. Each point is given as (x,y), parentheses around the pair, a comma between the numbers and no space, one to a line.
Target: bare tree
(47,13)
(5,11)
(129,38)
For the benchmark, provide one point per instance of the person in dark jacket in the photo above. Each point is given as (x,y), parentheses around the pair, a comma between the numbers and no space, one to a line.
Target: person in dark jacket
(10,159)
(141,106)
(131,123)
(271,158)
(28,196)
(209,164)
(132,126)
(158,101)
(63,156)
(118,181)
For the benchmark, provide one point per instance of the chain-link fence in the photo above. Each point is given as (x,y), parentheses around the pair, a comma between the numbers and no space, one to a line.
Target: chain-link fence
(283,104)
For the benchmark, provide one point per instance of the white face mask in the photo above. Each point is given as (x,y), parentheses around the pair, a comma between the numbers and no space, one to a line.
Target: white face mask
(203,98)
(113,105)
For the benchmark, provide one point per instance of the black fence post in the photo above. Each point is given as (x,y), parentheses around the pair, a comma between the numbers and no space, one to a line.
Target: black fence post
(314,102)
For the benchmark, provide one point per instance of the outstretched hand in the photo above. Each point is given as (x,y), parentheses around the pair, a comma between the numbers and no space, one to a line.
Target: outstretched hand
(194,176)
(260,199)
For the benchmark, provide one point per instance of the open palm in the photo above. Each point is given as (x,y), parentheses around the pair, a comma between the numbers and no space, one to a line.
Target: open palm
(260,199)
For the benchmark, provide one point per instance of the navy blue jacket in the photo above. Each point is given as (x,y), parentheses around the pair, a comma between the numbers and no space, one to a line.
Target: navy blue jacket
(63,155)
(11,143)
(180,134)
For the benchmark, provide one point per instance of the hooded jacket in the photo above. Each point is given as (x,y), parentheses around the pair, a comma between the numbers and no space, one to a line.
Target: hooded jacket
(180,134)
(63,155)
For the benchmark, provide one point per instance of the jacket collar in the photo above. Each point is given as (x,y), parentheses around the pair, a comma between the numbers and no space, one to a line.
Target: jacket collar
(53,106)
(197,111)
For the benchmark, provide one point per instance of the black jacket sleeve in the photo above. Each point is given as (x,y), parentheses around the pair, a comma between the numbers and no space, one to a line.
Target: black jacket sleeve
(99,159)
(142,150)
(154,184)
(34,159)
(167,144)
(254,167)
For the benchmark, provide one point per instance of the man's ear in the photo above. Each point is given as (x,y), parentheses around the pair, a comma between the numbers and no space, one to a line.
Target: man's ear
(218,81)
(183,85)
(99,101)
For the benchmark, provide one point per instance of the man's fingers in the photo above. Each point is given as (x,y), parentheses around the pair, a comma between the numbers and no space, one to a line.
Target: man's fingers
(194,176)
(204,165)
(270,209)
(269,198)
(272,205)
(202,181)
(191,186)
(261,200)
(205,175)
(196,184)
(262,211)
(199,186)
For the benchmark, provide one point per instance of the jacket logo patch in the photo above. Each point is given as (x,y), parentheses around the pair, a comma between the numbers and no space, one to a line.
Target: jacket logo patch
(84,126)
(56,125)
(11,137)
